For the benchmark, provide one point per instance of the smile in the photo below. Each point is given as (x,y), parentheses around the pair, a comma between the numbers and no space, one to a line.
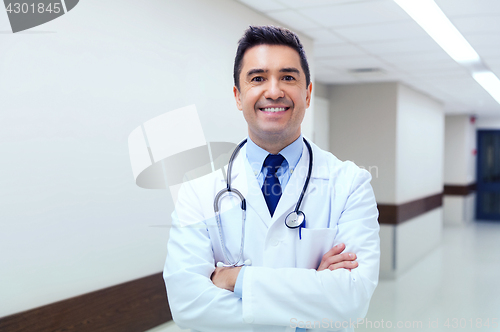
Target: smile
(274,109)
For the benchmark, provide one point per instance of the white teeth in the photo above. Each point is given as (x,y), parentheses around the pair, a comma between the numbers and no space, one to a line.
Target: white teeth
(276,109)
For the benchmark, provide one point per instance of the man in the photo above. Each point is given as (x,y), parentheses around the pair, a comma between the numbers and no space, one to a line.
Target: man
(320,276)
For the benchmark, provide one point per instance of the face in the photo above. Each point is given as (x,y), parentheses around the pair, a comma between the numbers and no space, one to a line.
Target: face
(273,94)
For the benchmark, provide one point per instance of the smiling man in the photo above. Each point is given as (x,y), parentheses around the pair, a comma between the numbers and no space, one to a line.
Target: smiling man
(273,91)
(319,273)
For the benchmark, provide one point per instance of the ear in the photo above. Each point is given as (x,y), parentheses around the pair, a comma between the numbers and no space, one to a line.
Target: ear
(237,98)
(309,92)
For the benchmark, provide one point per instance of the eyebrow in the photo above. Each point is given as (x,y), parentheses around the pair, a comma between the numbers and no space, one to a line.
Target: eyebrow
(255,71)
(282,70)
(290,70)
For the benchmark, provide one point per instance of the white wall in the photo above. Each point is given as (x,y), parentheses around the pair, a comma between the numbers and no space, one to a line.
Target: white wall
(459,167)
(394,130)
(72,219)
(363,129)
(419,146)
(419,173)
(321,135)
(416,238)
(459,210)
(321,90)
(401,131)
(460,141)
(488,122)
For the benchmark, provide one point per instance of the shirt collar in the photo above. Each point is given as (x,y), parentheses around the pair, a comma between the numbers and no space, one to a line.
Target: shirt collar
(256,155)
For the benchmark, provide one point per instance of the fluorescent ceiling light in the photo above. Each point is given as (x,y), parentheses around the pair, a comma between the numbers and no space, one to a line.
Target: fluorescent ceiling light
(489,82)
(432,19)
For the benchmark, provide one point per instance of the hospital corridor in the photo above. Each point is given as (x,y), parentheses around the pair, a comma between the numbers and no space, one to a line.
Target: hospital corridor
(249,165)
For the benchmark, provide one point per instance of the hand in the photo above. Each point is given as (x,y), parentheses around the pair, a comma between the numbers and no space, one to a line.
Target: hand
(334,259)
(225,277)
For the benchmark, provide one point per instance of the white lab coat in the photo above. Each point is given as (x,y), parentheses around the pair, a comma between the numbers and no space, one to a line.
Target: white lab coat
(281,288)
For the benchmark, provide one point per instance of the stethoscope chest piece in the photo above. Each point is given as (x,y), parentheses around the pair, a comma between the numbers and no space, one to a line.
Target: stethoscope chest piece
(296,219)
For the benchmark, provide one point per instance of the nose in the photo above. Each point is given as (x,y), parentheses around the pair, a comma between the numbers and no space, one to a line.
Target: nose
(274,90)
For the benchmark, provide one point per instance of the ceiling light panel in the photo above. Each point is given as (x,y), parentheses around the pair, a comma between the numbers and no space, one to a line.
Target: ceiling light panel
(293,20)
(358,13)
(485,43)
(489,82)
(431,18)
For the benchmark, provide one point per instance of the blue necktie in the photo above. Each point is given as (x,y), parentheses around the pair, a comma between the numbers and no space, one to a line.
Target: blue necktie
(272,187)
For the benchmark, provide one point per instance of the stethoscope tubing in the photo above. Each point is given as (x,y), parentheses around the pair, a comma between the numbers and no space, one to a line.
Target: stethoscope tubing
(230,190)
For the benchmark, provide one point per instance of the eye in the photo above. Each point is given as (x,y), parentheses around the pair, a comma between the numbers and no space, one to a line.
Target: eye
(289,78)
(258,79)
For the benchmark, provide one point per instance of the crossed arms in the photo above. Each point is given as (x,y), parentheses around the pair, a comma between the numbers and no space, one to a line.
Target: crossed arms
(340,288)
(225,277)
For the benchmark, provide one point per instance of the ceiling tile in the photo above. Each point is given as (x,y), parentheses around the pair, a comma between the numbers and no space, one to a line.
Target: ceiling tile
(405,46)
(353,62)
(483,39)
(434,66)
(339,79)
(325,75)
(485,44)
(263,5)
(410,58)
(461,88)
(338,50)
(494,66)
(384,77)
(454,8)
(433,74)
(323,36)
(313,3)
(404,30)
(475,24)
(357,13)
(293,20)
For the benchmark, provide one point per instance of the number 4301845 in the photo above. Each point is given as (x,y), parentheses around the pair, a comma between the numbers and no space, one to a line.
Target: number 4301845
(40,8)
(470,323)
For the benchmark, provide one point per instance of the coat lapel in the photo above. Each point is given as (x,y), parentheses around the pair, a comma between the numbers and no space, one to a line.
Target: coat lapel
(244,180)
(293,189)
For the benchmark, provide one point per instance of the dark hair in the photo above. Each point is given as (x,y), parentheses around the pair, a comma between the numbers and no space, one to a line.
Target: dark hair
(268,35)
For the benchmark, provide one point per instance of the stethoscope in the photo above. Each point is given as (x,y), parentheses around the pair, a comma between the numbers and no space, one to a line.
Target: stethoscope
(295,219)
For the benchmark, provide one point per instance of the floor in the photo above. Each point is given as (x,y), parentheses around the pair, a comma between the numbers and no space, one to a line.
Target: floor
(456,287)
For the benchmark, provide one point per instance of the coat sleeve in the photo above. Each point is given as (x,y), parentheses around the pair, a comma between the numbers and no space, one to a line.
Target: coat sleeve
(195,302)
(286,295)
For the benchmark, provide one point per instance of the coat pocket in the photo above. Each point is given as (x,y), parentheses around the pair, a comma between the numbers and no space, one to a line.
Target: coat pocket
(314,244)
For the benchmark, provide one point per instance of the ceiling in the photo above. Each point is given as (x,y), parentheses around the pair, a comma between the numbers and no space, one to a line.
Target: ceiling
(356,34)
